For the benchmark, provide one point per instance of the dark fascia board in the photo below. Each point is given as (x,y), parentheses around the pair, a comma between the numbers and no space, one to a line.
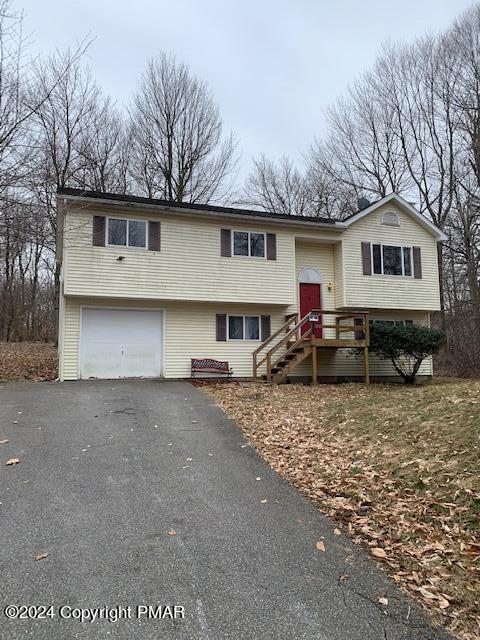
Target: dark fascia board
(80,194)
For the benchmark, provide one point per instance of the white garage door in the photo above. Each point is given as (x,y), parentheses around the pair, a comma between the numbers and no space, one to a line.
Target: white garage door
(118,343)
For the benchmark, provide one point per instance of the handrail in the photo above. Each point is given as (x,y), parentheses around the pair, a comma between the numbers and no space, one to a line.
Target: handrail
(274,335)
(285,338)
(307,334)
(258,364)
(300,338)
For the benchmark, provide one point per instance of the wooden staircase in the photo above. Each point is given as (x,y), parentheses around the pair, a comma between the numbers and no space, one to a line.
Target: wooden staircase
(296,341)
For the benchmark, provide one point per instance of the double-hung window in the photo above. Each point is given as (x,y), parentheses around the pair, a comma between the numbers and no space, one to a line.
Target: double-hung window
(243,327)
(127,233)
(248,243)
(391,322)
(392,260)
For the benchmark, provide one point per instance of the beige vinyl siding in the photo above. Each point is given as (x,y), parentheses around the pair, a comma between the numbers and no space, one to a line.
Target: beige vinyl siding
(338,283)
(188,267)
(343,362)
(390,292)
(190,332)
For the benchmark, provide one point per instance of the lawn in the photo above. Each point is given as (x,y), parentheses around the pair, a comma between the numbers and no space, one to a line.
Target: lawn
(28,361)
(397,468)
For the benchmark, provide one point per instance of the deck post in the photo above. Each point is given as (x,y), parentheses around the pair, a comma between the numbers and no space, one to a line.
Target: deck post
(269,366)
(365,364)
(314,364)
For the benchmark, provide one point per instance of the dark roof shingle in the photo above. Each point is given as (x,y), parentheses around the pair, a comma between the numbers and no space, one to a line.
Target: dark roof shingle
(98,195)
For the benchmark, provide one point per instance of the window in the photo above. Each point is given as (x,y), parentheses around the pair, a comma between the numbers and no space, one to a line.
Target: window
(392,322)
(127,233)
(391,260)
(249,243)
(243,328)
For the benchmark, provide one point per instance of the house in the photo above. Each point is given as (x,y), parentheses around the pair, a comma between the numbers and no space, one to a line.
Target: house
(147,285)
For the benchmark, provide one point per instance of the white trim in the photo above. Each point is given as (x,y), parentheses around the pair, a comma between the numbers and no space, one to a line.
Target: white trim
(407,207)
(96,306)
(392,275)
(302,275)
(232,240)
(126,246)
(244,315)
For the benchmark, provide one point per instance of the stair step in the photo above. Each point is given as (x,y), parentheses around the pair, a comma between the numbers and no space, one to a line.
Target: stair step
(290,356)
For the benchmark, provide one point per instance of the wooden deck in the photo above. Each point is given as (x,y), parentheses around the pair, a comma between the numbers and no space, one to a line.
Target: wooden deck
(297,339)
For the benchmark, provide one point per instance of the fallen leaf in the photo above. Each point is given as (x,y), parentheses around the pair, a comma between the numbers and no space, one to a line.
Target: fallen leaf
(12,461)
(378,552)
(427,594)
(443,603)
(4,441)
(263,501)
(171,533)
(320,545)
(41,556)
(383,600)
(337,532)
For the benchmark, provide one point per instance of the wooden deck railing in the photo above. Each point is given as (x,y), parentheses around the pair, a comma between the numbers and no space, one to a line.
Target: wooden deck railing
(293,337)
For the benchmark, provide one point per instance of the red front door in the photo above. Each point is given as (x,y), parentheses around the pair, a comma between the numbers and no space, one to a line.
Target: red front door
(310,299)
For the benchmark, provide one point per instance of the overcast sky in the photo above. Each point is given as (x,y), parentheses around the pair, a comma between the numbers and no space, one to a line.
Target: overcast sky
(273,65)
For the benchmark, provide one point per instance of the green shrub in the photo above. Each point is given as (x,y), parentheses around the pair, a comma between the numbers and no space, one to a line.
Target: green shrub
(406,346)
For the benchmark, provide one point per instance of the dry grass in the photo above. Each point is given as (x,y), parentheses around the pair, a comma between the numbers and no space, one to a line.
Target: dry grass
(28,361)
(397,468)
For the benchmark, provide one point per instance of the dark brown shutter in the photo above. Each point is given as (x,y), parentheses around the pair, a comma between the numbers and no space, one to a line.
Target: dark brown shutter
(153,235)
(265,327)
(271,246)
(98,239)
(417,262)
(366,259)
(226,242)
(221,327)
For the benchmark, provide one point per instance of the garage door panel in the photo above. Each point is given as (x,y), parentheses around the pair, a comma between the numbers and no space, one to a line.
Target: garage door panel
(118,343)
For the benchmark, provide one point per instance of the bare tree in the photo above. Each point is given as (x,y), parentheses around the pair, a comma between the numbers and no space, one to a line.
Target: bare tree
(278,188)
(105,152)
(361,152)
(75,136)
(179,151)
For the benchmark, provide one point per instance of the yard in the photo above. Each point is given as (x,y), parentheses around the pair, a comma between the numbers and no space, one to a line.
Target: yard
(396,468)
(28,361)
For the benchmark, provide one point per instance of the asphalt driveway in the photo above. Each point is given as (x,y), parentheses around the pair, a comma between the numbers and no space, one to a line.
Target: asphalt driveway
(109,471)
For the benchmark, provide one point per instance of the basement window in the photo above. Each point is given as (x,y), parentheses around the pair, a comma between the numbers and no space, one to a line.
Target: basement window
(392,322)
(244,327)
(127,233)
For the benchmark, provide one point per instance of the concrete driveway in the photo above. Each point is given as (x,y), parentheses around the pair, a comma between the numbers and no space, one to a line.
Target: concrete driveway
(108,469)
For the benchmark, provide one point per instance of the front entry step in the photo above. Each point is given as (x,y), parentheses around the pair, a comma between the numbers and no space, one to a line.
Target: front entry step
(284,367)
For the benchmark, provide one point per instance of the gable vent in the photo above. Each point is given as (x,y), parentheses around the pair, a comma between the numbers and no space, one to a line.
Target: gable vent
(391,218)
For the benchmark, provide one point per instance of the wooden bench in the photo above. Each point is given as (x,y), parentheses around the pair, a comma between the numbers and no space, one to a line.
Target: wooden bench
(210,365)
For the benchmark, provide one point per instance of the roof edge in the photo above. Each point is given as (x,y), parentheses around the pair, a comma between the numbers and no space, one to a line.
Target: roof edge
(128,200)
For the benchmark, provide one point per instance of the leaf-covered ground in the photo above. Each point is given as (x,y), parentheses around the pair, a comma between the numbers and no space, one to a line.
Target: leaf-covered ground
(28,361)
(397,468)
